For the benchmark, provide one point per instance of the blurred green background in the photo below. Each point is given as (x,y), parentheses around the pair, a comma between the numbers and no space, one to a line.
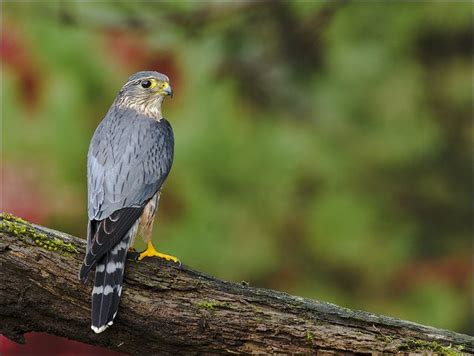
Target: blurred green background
(322,148)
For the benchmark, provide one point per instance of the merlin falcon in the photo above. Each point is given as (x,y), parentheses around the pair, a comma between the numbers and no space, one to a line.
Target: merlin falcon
(129,159)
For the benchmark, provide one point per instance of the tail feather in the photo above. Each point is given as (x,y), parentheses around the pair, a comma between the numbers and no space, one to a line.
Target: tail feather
(108,283)
(118,279)
(105,292)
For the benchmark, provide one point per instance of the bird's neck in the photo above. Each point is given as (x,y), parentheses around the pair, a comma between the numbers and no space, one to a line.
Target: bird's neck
(151,109)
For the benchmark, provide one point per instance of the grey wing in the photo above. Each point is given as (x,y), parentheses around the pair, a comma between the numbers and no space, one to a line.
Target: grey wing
(128,164)
(129,159)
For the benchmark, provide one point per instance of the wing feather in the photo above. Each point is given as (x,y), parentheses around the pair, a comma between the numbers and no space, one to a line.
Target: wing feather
(129,159)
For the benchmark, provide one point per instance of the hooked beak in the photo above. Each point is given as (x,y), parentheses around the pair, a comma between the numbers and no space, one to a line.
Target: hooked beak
(167,90)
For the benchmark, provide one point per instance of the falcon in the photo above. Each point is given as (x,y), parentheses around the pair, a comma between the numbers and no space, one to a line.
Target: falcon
(129,159)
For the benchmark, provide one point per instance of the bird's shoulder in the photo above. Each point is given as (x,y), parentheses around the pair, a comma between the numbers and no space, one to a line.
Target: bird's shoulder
(165,125)
(123,127)
(165,130)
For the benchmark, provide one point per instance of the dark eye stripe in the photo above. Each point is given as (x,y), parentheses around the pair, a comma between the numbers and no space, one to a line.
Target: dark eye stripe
(146,83)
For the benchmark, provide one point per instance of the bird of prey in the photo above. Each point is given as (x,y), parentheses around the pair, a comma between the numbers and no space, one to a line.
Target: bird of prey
(129,159)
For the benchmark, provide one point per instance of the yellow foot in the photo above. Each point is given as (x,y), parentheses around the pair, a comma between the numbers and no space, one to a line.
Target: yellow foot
(151,252)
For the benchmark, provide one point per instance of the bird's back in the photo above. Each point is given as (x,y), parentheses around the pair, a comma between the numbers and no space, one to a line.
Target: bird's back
(129,159)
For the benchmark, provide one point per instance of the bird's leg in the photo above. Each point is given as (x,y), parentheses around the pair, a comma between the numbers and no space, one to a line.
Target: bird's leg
(132,253)
(146,224)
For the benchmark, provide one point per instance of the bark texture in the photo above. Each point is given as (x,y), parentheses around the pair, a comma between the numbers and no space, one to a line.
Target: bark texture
(170,309)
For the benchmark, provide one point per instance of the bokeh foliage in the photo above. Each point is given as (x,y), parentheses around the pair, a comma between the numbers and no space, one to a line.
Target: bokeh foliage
(322,148)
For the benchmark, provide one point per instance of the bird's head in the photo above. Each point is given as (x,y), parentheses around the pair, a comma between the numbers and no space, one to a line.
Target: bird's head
(144,92)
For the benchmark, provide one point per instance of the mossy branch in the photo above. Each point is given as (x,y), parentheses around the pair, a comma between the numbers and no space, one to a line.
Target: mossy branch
(168,309)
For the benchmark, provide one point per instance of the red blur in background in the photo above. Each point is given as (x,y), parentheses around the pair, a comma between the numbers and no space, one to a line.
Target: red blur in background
(45,344)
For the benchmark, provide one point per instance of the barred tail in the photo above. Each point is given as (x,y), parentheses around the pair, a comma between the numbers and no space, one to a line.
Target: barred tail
(108,283)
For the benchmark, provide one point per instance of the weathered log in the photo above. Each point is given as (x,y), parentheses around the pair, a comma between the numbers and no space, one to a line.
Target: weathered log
(170,309)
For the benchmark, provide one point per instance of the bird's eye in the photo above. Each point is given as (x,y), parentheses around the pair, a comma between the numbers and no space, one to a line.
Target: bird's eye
(146,83)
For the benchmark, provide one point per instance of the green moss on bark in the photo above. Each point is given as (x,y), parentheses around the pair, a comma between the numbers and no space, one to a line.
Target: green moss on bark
(16,226)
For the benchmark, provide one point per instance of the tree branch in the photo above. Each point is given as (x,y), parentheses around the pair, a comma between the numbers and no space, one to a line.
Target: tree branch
(167,309)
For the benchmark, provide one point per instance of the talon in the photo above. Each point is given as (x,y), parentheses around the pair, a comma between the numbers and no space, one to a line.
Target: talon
(133,255)
(151,252)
